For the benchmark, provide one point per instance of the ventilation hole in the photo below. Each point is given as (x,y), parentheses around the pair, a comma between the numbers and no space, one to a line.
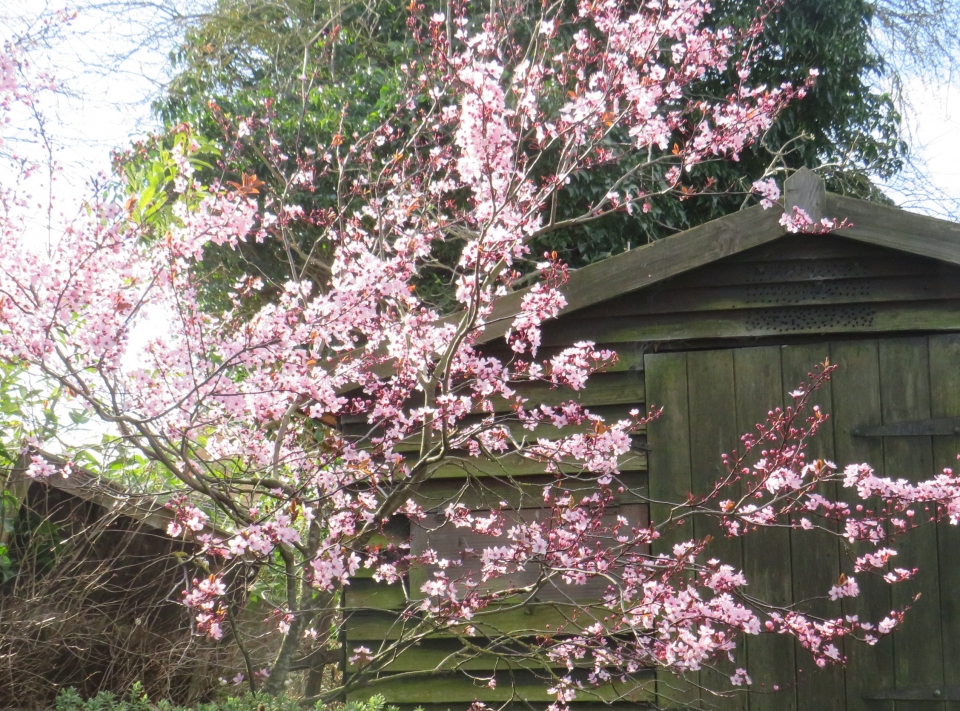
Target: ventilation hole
(813,291)
(811,319)
(800,271)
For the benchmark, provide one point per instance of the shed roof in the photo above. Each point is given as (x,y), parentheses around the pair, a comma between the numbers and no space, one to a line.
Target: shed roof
(146,509)
(650,264)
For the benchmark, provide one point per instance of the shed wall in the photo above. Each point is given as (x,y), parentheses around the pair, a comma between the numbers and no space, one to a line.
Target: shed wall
(717,347)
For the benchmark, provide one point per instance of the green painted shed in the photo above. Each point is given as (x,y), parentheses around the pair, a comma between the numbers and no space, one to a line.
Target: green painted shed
(716,325)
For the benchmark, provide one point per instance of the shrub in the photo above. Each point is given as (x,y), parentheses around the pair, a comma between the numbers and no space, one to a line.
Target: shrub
(136,700)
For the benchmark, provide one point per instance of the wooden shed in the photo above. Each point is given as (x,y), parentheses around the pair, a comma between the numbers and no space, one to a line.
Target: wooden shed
(90,593)
(716,325)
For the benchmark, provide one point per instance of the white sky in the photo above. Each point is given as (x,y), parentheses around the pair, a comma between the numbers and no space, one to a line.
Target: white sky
(935,144)
(103,103)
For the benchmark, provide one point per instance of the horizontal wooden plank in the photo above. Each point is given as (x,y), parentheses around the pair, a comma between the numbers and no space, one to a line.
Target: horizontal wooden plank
(629,355)
(929,287)
(513,465)
(731,273)
(602,389)
(366,593)
(444,687)
(525,492)
(514,621)
(618,388)
(911,428)
(451,654)
(606,388)
(536,706)
(931,693)
(610,413)
(806,246)
(850,319)
(419,659)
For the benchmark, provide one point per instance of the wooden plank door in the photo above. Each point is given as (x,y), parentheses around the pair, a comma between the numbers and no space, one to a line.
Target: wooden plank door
(856,402)
(905,396)
(710,398)
(945,402)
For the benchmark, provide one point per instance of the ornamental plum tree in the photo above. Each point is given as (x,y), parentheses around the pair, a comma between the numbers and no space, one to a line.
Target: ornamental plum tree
(243,410)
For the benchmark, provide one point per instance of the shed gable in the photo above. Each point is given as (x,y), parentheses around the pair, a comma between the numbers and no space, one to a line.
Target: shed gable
(798,285)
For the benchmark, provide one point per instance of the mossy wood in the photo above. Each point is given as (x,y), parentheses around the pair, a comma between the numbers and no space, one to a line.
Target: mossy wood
(717,325)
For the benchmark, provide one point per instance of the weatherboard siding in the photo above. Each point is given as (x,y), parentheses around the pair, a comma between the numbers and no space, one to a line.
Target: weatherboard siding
(717,346)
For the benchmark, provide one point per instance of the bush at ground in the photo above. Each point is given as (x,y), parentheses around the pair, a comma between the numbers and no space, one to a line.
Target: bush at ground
(136,700)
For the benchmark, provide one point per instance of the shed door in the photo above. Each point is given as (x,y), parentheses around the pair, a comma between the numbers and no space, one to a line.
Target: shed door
(710,398)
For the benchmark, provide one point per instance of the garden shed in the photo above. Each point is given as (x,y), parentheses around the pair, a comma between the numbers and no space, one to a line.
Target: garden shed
(90,592)
(716,325)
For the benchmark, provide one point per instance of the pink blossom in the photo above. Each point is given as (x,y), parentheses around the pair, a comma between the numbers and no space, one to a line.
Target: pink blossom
(361,655)
(40,468)
(768,190)
(846,588)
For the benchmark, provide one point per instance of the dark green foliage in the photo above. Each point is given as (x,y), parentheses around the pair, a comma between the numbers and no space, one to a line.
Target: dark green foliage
(317,69)
(70,700)
(854,129)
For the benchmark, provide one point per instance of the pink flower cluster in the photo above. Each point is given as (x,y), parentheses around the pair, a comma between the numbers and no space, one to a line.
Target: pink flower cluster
(799,221)
(187,517)
(768,190)
(206,597)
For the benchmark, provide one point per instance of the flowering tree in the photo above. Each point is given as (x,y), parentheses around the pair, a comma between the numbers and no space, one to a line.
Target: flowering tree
(243,410)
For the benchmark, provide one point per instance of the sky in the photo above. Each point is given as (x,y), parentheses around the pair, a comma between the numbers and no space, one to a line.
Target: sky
(108,66)
(934,125)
